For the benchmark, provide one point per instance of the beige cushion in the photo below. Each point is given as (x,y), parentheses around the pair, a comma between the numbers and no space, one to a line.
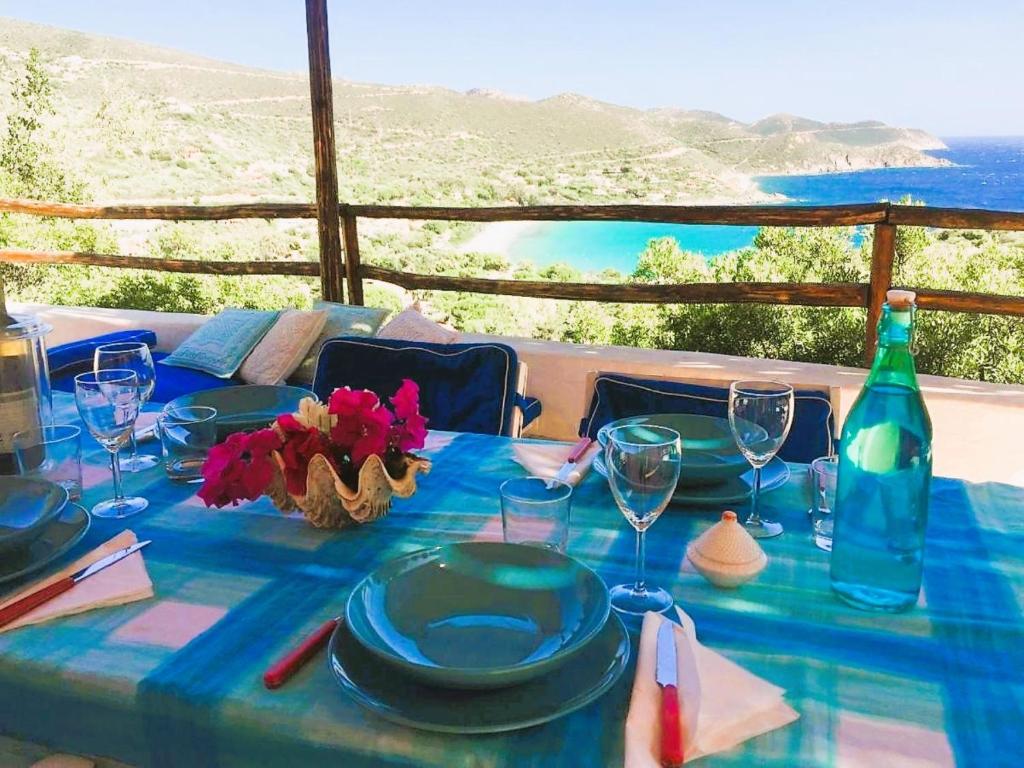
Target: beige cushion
(283,348)
(411,325)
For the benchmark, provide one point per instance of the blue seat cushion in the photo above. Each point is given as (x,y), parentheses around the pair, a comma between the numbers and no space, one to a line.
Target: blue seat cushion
(69,360)
(75,357)
(173,382)
(618,397)
(463,387)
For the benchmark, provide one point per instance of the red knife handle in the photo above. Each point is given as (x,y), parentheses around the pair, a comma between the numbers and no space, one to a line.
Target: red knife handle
(30,602)
(288,665)
(671,729)
(578,450)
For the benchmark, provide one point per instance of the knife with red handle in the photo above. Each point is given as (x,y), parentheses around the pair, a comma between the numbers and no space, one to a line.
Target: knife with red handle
(565,473)
(283,669)
(33,600)
(666,675)
(578,450)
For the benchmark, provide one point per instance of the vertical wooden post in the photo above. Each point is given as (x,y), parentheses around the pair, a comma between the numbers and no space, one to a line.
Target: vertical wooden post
(352,276)
(883,253)
(322,103)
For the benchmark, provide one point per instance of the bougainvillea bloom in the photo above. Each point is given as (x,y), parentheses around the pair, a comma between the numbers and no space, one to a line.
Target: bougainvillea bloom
(409,431)
(359,426)
(300,444)
(363,423)
(239,468)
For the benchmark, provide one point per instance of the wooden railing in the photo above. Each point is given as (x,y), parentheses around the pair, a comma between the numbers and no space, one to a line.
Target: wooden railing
(883,217)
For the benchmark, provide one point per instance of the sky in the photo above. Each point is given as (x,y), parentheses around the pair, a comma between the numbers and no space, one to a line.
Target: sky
(949,66)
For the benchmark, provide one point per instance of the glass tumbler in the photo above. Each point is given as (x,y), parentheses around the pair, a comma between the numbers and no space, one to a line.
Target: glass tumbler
(186,437)
(823,474)
(52,453)
(536,511)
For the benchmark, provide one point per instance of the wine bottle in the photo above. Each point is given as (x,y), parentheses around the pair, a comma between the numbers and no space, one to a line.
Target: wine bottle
(19,395)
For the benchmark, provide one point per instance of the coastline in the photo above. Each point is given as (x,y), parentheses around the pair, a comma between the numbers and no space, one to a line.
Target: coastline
(531,239)
(498,236)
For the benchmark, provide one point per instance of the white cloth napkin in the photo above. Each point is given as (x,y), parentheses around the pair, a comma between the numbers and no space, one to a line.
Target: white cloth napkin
(721,703)
(123,582)
(545,459)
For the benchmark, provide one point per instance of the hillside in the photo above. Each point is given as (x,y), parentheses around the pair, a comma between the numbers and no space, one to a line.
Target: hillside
(139,122)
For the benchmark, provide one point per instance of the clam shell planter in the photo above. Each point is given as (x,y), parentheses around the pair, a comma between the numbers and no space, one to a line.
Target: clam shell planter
(329,502)
(725,554)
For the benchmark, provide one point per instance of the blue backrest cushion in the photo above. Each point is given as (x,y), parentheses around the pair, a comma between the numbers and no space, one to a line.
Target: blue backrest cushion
(220,345)
(76,356)
(618,397)
(463,387)
(342,320)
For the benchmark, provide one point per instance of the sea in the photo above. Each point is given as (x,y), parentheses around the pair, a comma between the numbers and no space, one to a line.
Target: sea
(985,173)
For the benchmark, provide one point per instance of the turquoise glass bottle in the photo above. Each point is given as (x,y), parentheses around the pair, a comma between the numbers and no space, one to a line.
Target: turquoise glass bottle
(885,470)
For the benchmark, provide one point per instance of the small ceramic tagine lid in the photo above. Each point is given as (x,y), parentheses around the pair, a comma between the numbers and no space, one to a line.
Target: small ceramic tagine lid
(725,554)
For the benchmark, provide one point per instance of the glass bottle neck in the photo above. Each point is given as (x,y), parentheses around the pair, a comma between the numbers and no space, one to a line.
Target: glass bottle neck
(894,361)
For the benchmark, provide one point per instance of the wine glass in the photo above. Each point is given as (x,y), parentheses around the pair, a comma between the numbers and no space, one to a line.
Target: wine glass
(760,415)
(643,469)
(131,356)
(108,402)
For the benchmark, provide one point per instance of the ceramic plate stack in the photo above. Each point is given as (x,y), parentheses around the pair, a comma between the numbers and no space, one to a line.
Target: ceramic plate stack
(478,637)
(713,470)
(37,525)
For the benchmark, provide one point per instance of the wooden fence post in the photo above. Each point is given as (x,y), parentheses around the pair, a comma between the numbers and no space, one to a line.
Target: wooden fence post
(883,252)
(322,107)
(352,264)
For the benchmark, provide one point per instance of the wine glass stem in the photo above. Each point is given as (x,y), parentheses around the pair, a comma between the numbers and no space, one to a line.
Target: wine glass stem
(755,500)
(115,468)
(132,447)
(641,579)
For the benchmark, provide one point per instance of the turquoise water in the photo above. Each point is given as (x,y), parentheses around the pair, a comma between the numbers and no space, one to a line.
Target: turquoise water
(593,246)
(989,173)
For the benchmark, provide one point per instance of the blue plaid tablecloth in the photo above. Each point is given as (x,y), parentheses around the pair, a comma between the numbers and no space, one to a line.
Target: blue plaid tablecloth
(235,588)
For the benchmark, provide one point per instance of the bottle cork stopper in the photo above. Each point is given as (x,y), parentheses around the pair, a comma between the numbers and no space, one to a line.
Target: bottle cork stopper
(729,515)
(897,299)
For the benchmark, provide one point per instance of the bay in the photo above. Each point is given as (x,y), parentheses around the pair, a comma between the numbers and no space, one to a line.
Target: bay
(987,173)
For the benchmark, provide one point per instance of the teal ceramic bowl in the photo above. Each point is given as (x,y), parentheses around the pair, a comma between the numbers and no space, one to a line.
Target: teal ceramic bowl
(710,455)
(27,506)
(478,614)
(246,407)
(582,679)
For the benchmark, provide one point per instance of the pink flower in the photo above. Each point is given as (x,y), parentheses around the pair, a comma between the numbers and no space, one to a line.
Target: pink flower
(239,468)
(363,424)
(300,445)
(409,432)
(406,400)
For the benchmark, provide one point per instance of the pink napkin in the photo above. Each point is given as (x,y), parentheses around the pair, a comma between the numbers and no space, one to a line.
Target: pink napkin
(545,459)
(123,582)
(721,703)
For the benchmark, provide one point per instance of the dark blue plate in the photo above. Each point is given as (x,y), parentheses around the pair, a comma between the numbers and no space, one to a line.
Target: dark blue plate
(55,541)
(478,614)
(245,407)
(581,680)
(27,506)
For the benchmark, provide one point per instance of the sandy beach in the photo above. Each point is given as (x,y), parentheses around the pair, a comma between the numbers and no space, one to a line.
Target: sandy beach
(498,236)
